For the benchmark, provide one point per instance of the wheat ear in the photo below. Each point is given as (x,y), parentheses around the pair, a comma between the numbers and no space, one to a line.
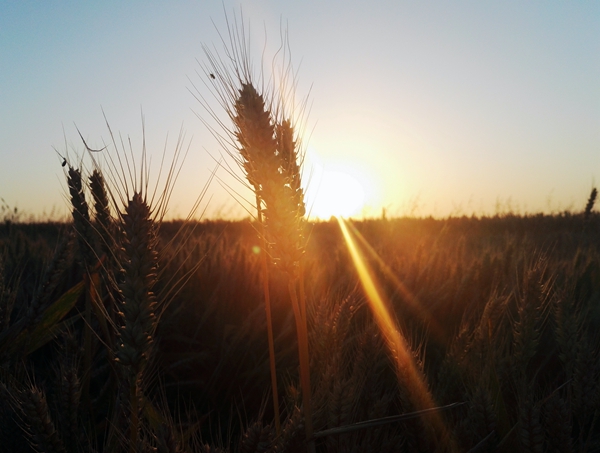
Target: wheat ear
(102,212)
(270,159)
(256,146)
(138,305)
(590,204)
(41,429)
(85,240)
(81,218)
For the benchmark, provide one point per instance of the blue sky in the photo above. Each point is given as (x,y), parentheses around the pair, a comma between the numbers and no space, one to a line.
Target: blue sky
(432,107)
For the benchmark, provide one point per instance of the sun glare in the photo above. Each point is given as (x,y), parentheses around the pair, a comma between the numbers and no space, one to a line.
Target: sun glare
(336,193)
(407,372)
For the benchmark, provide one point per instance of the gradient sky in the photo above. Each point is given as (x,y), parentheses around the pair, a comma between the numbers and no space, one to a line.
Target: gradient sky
(435,108)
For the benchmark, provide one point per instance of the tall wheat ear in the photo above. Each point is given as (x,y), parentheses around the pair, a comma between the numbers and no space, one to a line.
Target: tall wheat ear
(274,174)
(81,218)
(139,268)
(264,143)
(139,224)
(39,425)
(138,303)
(130,249)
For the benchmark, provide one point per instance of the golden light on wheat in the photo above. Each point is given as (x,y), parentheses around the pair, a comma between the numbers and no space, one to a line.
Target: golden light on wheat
(413,304)
(408,374)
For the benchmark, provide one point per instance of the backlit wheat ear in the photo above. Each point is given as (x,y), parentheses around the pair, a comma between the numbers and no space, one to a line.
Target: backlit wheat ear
(139,267)
(255,135)
(285,219)
(81,218)
(256,438)
(531,434)
(262,141)
(102,211)
(559,425)
(270,160)
(590,204)
(6,300)
(139,303)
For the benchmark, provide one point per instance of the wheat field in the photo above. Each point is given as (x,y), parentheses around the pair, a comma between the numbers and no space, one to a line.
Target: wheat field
(123,332)
(501,315)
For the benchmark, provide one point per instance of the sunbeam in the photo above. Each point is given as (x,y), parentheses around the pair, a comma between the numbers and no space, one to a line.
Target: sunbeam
(436,329)
(408,374)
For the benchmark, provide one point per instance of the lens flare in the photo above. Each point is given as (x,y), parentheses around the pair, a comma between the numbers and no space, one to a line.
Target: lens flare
(408,374)
(437,330)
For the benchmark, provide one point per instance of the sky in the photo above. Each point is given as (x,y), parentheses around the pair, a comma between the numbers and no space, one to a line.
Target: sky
(419,108)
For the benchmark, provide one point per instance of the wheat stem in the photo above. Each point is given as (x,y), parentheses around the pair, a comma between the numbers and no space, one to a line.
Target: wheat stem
(272,364)
(304,357)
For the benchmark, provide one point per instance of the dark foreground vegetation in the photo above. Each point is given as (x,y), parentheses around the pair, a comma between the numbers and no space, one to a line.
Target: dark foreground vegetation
(500,314)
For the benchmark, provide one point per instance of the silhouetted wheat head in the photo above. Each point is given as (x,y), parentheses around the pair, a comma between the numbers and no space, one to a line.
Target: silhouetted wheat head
(264,144)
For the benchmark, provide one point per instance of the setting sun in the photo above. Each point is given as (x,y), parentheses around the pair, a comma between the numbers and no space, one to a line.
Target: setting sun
(335,193)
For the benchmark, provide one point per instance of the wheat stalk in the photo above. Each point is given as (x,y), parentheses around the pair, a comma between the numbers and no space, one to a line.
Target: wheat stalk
(270,159)
(267,152)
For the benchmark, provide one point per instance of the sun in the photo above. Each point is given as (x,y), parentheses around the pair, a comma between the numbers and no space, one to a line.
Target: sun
(335,193)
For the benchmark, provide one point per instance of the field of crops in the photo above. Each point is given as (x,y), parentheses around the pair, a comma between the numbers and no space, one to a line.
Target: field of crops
(122,332)
(136,335)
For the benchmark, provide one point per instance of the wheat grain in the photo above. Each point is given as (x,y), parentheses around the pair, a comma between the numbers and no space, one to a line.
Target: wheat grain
(43,435)
(81,218)
(139,268)
(69,399)
(587,212)
(530,429)
(256,439)
(103,218)
(559,425)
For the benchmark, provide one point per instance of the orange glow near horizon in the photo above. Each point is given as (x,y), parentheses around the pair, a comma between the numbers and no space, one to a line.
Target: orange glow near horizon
(407,372)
